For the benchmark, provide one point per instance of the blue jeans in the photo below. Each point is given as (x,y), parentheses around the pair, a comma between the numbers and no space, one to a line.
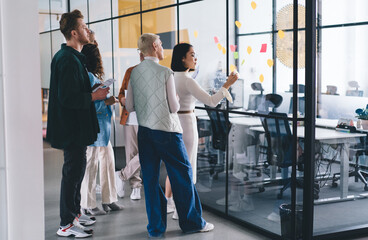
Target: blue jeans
(153,146)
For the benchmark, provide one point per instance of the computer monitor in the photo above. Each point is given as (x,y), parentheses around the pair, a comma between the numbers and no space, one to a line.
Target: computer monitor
(301,105)
(254,101)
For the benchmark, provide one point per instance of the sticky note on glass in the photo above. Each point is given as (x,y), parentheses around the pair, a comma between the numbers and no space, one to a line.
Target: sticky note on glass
(281,34)
(243,62)
(219,46)
(253,4)
(195,34)
(216,39)
(232,67)
(270,62)
(261,78)
(249,50)
(223,50)
(238,24)
(236,55)
(264,47)
(233,48)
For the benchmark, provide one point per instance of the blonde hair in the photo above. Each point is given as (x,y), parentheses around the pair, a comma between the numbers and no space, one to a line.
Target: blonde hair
(145,42)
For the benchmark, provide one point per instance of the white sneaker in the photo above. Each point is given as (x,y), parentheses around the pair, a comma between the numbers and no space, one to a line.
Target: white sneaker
(170,205)
(85,220)
(72,230)
(136,194)
(208,227)
(119,184)
(244,204)
(77,224)
(175,216)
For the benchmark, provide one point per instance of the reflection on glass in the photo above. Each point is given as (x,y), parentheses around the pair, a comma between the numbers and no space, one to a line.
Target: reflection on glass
(162,23)
(126,6)
(57,9)
(100,9)
(81,5)
(150,4)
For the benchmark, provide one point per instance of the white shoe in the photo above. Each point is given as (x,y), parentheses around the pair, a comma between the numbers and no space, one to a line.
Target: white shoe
(85,220)
(136,194)
(274,217)
(175,216)
(85,229)
(202,188)
(72,230)
(170,205)
(208,227)
(119,184)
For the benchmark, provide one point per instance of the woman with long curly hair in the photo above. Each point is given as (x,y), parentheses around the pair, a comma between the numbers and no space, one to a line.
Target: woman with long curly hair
(101,152)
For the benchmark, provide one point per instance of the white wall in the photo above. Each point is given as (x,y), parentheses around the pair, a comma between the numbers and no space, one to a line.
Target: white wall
(22,130)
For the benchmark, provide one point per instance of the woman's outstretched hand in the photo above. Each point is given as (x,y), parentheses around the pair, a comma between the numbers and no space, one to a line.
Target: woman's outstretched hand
(234,75)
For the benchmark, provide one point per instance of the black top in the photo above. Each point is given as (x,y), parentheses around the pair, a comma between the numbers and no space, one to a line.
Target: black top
(71,114)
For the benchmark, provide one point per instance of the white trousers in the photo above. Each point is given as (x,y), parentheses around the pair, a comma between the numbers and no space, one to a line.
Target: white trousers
(103,156)
(190,136)
(132,169)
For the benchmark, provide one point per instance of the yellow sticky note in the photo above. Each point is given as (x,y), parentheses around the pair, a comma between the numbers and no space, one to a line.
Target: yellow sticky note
(243,62)
(232,67)
(249,50)
(238,24)
(254,5)
(261,78)
(219,46)
(281,34)
(195,34)
(236,55)
(223,50)
(270,62)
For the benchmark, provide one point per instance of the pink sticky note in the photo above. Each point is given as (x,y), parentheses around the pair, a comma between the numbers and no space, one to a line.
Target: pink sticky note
(216,40)
(233,48)
(264,47)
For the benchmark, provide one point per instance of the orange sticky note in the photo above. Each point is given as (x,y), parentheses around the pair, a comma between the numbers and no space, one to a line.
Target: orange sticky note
(243,62)
(232,67)
(195,34)
(253,4)
(261,78)
(223,50)
(281,34)
(219,46)
(249,50)
(270,62)
(233,48)
(264,47)
(216,39)
(238,24)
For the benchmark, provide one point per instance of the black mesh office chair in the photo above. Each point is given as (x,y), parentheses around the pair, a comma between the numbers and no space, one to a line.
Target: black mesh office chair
(255,99)
(220,129)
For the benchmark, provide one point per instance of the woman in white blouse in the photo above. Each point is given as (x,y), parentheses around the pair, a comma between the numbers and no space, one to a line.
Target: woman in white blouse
(183,60)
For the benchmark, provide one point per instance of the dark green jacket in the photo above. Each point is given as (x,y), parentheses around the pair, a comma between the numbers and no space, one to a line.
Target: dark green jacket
(71,114)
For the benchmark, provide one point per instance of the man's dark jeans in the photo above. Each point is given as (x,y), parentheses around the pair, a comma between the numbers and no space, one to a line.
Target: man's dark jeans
(73,172)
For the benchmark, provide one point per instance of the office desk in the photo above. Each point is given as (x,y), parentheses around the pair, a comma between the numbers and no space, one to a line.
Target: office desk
(330,136)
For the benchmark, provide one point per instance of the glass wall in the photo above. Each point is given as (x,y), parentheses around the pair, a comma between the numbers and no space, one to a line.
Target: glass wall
(251,154)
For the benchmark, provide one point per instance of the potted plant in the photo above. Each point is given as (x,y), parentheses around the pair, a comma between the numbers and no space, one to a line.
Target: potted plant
(363,116)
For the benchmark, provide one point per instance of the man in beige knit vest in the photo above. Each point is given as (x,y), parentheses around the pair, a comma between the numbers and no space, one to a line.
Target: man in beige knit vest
(151,93)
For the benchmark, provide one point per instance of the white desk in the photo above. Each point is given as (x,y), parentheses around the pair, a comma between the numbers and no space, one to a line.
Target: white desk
(330,136)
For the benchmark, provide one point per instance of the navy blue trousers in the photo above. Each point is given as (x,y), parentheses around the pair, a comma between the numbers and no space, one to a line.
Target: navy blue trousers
(73,172)
(154,146)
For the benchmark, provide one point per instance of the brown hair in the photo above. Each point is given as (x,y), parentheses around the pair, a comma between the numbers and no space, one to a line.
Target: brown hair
(69,22)
(94,60)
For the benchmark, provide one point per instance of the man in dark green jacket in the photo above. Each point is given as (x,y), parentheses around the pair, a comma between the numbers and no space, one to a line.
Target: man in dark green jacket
(72,122)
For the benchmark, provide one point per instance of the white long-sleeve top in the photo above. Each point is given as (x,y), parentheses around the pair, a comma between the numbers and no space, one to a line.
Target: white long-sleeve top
(170,91)
(189,90)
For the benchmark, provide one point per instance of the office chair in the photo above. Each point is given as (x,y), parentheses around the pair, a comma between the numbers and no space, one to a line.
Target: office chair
(357,172)
(301,105)
(255,99)
(220,127)
(279,146)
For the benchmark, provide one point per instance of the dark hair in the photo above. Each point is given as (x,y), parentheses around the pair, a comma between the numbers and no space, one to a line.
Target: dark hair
(69,22)
(94,60)
(179,52)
